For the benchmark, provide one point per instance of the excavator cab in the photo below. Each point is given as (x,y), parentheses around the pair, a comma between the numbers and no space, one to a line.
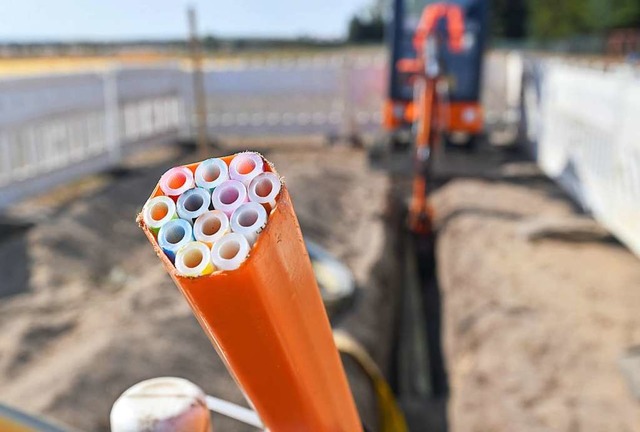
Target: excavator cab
(453,31)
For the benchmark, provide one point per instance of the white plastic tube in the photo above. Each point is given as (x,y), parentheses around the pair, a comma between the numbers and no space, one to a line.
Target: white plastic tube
(173,235)
(230,251)
(211,173)
(161,405)
(193,203)
(194,259)
(177,181)
(229,196)
(211,226)
(244,167)
(234,411)
(249,220)
(264,189)
(158,211)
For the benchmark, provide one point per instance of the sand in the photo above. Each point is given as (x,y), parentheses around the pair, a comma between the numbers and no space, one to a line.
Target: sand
(535,325)
(88,310)
(539,304)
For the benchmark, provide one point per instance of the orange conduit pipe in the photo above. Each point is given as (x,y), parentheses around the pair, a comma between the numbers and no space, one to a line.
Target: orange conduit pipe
(267,322)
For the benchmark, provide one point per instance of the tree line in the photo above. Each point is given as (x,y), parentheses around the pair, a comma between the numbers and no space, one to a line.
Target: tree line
(557,19)
(524,19)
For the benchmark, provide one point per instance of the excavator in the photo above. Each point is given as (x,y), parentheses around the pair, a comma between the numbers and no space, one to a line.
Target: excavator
(433,96)
(433,103)
(451,35)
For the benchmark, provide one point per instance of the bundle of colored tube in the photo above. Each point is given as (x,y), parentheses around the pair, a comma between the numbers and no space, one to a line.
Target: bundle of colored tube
(208,219)
(227,234)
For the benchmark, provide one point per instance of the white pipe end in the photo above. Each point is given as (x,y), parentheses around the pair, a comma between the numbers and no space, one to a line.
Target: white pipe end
(194,259)
(211,226)
(264,189)
(158,211)
(193,203)
(211,173)
(249,220)
(230,251)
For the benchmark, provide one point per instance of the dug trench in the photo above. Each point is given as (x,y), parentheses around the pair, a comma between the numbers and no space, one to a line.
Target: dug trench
(432,297)
(397,319)
(417,370)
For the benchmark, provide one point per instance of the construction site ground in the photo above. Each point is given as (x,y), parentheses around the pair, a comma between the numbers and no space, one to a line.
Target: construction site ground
(539,304)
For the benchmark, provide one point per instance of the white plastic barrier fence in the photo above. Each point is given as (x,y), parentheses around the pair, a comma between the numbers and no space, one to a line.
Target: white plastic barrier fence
(54,128)
(582,123)
(150,103)
(326,94)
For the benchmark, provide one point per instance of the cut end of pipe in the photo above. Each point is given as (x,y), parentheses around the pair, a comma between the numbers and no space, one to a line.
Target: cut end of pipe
(177,181)
(229,196)
(211,173)
(193,203)
(264,189)
(174,235)
(194,259)
(230,251)
(211,226)
(209,204)
(158,211)
(244,167)
(249,220)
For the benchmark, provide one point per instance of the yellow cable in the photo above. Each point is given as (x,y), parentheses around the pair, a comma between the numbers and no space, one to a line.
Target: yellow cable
(391,418)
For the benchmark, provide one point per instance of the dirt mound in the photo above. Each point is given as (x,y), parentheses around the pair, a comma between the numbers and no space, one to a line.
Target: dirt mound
(534,330)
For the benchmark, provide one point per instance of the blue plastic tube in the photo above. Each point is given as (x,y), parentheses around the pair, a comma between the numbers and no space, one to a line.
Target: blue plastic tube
(173,235)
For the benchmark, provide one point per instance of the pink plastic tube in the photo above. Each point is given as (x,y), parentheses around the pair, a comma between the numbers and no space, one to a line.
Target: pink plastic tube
(229,196)
(176,181)
(244,167)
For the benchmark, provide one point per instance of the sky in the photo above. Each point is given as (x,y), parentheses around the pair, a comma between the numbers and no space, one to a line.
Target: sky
(65,20)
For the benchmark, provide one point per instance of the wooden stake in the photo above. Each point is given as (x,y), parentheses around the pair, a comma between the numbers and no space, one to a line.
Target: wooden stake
(199,93)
